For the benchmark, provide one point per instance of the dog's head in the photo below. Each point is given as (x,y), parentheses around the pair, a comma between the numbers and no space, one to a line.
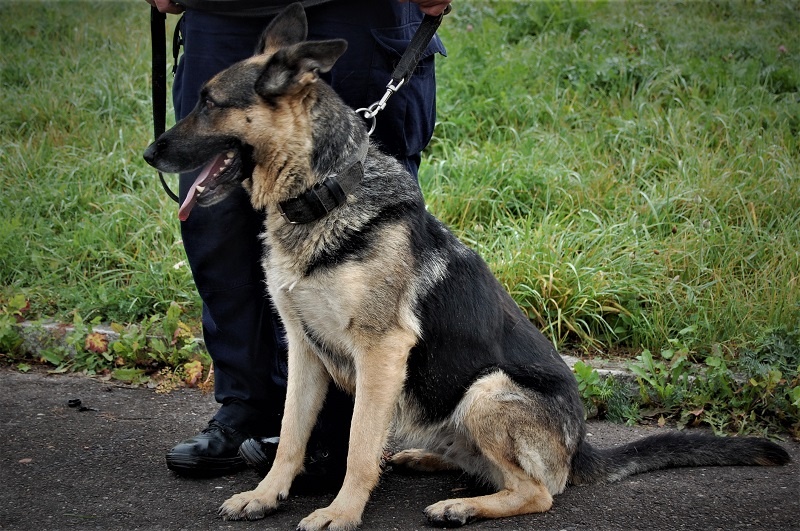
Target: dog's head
(252,118)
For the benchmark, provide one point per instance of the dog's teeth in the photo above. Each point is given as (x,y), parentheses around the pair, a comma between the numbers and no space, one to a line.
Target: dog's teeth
(200,189)
(230,154)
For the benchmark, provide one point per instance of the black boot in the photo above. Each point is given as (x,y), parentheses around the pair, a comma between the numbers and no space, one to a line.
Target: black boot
(213,452)
(324,469)
(259,453)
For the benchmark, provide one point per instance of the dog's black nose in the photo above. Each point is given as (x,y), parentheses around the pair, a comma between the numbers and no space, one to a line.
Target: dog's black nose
(150,154)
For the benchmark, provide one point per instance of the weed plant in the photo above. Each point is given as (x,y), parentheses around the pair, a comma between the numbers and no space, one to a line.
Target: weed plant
(628,169)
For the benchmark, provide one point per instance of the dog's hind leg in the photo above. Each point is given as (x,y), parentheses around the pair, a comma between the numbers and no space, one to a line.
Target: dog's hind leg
(306,387)
(520,453)
(521,495)
(380,374)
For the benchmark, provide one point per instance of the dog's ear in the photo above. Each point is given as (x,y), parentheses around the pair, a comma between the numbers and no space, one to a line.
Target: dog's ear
(292,68)
(287,28)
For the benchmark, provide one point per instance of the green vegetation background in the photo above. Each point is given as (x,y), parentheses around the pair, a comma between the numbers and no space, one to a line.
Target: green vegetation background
(630,171)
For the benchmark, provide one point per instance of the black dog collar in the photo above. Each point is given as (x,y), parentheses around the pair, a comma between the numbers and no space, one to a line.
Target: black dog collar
(320,199)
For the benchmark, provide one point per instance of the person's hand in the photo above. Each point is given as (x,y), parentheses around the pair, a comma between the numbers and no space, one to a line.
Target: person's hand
(431,7)
(166,6)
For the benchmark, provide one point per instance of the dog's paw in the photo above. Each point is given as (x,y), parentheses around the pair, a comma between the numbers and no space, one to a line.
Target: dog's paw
(450,513)
(407,458)
(420,461)
(248,506)
(330,519)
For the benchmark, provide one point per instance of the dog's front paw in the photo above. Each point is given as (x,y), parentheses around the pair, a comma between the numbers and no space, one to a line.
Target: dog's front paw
(248,505)
(330,519)
(450,513)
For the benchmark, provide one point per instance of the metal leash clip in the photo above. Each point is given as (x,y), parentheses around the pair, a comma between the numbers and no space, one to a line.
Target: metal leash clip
(370,113)
(406,65)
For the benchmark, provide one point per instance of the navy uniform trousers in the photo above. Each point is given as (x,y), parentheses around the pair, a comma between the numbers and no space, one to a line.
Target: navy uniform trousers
(242,332)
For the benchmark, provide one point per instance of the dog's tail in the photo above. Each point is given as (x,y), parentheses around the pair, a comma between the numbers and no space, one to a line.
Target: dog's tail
(670,450)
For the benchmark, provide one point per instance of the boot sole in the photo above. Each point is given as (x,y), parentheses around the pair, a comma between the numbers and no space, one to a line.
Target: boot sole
(204,467)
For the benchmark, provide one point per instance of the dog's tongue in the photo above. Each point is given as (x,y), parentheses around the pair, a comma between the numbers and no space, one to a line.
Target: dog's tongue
(191,198)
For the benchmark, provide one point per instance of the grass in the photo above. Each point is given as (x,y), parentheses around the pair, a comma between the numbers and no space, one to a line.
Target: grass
(84,225)
(627,172)
(630,170)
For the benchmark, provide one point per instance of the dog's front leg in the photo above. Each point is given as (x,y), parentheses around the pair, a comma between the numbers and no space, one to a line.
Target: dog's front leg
(380,374)
(305,392)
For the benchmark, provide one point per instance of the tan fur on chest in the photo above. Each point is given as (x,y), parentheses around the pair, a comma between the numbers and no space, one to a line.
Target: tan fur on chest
(347,308)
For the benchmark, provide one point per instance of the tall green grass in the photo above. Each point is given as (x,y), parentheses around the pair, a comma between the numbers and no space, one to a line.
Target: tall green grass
(84,226)
(630,170)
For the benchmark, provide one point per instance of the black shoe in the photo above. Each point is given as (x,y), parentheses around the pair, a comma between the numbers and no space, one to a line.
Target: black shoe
(211,453)
(259,453)
(324,471)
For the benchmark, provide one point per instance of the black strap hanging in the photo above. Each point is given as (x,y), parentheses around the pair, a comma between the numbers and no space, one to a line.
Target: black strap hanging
(158,38)
(419,42)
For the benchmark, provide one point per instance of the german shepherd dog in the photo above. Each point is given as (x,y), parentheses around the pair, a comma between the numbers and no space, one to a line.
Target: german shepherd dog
(377,295)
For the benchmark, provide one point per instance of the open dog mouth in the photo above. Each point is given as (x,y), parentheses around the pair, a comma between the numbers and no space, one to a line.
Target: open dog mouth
(223,169)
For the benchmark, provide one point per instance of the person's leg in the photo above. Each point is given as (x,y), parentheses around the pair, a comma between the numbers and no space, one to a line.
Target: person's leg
(241,331)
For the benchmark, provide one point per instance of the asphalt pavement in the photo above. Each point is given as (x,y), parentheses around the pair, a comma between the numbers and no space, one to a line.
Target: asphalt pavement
(101,466)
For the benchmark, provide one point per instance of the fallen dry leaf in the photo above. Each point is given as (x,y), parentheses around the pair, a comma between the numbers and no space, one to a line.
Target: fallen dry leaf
(97,343)
(194,373)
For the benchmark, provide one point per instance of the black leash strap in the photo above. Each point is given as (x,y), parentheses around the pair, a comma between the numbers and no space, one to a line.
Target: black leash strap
(158,38)
(419,42)
(405,67)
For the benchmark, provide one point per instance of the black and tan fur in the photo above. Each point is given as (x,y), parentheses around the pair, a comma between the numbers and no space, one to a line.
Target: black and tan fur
(381,298)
